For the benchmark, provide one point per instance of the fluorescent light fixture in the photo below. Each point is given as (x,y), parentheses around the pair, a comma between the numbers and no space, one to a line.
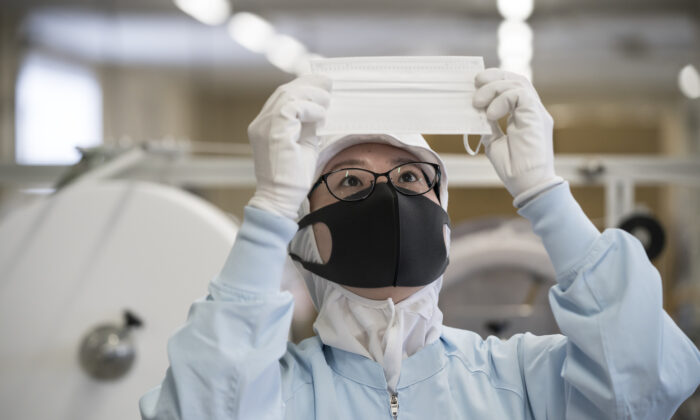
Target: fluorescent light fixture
(209,12)
(286,53)
(258,35)
(37,191)
(516,9)
(515,36)
(515,32)
(689,81)
(514,41)
(251,31)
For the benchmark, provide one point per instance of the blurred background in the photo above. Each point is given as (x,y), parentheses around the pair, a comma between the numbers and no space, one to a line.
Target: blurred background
(125,165)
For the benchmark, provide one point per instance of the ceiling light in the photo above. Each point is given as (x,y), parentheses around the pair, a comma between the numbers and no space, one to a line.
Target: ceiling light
(516,9)
(689,81)
(251,31)
(514,41)
(210,12)
(286,53)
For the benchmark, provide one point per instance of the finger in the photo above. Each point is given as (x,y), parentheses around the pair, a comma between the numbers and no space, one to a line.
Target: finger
(493,74)
(313,94)
(499,153)
(308,137)
(504,104)
(496,133)
(487,93)
(487,76)
(304,111)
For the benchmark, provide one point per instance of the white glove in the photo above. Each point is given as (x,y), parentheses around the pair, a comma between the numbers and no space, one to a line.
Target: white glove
(523,158)
(285,145)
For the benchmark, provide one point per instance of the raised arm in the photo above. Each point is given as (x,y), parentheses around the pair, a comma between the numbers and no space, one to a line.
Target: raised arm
(622,356)
(224,362)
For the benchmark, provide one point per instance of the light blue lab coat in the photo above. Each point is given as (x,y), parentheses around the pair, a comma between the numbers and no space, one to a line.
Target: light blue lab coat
(620,356)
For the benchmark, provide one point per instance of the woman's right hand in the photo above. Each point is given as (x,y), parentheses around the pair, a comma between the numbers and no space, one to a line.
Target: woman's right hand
(285,144)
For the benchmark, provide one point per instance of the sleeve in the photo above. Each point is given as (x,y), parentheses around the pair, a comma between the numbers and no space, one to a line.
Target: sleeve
(224,362)
(622,357)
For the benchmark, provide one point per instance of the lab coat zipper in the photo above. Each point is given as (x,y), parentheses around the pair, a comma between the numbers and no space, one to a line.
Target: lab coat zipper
(394,404)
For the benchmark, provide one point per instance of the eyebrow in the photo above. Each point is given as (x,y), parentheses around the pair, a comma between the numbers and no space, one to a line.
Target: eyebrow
(402,160)
(348,163)
(361,163)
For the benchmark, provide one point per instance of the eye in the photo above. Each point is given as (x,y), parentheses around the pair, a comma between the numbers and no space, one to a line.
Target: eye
(408,176)
(350,181)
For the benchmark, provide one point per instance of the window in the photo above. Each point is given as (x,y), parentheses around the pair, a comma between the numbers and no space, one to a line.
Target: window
(58,107)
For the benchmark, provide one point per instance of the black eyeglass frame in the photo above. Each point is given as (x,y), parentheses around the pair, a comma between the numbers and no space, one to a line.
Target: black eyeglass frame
(438,174)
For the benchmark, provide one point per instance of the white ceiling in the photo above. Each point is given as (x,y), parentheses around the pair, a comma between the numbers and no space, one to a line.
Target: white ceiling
(486,7)
(615,46)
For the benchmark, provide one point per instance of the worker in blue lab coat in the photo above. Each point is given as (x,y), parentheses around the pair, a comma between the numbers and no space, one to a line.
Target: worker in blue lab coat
(364,218)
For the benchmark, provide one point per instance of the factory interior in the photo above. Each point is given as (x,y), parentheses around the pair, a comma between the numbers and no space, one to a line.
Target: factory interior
(125,166)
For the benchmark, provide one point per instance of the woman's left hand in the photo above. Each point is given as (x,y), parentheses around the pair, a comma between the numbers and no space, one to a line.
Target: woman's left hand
(523,157)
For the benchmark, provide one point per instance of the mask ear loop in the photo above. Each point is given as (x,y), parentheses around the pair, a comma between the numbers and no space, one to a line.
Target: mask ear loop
(469,149)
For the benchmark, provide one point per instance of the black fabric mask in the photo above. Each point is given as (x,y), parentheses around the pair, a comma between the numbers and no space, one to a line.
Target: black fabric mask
(387,239)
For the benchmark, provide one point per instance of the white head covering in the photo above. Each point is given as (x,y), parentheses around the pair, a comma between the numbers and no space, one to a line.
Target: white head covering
(378,329)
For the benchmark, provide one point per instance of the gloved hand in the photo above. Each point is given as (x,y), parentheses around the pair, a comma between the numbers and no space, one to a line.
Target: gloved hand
(523,157)
(285,145)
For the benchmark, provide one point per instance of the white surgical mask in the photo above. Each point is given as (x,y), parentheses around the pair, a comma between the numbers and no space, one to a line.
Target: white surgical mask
(428,95)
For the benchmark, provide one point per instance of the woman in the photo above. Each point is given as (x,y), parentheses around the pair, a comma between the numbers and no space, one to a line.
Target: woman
(372,245)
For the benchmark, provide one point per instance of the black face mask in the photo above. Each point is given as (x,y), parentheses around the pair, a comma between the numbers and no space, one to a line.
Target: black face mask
(387,239)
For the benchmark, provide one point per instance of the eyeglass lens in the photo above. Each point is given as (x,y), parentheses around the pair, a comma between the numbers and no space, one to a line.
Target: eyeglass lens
(355,184)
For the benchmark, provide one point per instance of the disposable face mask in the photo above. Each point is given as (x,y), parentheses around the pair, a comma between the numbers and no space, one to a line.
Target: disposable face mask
(387,239)
(425,95)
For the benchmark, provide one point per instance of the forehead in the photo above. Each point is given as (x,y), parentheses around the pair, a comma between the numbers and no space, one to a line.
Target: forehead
(371,155)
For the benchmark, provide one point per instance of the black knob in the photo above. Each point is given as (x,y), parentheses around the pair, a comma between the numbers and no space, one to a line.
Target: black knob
(131,320)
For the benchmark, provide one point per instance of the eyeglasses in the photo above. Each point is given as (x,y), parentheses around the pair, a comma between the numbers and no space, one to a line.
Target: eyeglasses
(355,184)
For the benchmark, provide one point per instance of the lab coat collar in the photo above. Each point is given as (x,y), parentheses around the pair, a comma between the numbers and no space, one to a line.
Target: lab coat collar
(417,367)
